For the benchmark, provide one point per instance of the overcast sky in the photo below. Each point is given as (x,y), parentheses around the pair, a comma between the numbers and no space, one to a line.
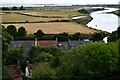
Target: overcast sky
(60,1)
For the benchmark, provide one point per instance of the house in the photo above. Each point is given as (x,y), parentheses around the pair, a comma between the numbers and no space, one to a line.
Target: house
(61,45)
(26,44)
(72,44)
(17,44)
(47,43)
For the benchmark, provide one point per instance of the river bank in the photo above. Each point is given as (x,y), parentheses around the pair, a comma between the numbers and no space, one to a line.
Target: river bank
(116,12)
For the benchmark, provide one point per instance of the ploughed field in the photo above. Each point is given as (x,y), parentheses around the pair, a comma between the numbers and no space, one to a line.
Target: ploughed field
(55,27)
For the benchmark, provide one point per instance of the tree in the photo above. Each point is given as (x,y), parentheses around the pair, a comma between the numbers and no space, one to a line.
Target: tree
(14,8)
(83,11)
(118,32)
(63,37)
(21,8)
(14,55)
(64,34)
(38,52)
(42,57)
(51,54)
(113,36)
(11,29)
(98,36)
(44,73)
(76,36)
(5,8)
(119,53)
(95,60)
(39,33)
(6,38)
(5,74)
(22,31)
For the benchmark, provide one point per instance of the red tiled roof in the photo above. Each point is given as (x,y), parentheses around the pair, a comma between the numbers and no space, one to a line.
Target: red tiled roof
(46,43)
(14,70)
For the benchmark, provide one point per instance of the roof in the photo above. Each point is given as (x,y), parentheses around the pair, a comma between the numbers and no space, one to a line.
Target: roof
(17,44)
(47,43)
(14,71)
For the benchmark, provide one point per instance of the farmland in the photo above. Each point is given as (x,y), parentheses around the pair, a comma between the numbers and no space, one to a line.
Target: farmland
(22,18)
(42,18)
(55,28)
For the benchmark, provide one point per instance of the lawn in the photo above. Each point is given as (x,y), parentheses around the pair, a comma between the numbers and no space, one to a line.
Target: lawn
(55,28)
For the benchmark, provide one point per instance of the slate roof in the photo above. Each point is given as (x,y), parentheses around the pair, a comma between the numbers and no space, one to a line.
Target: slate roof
(72,44)
(17,44)
(61,45)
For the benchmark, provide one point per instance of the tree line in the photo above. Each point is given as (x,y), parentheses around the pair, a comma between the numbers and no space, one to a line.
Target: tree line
(21,34)
(13,8)
(98,36)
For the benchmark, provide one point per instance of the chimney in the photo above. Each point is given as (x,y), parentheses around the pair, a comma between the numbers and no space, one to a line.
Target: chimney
(56,39)
(69,43)
(35,41)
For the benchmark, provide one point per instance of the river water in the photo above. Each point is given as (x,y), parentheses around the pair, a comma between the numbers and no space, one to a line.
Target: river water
(104,21)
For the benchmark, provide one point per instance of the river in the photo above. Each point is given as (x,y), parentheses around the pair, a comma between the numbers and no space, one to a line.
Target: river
(104,21)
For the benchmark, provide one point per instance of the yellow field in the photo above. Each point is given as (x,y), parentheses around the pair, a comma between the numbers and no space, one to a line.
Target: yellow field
(22,18)
(54,28)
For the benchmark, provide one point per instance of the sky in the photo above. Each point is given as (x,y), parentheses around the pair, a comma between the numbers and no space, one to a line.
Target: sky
(59,1)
